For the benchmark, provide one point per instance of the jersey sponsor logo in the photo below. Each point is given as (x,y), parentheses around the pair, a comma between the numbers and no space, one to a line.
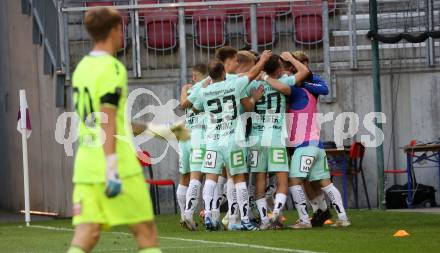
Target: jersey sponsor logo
(210,159)
(306,163)
(218,92)
(253,158)
(237,158)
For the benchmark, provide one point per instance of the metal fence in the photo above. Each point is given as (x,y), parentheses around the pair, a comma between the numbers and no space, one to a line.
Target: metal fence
(172,37)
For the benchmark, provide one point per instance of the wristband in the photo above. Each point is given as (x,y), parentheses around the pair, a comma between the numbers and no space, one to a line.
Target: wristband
(265,77)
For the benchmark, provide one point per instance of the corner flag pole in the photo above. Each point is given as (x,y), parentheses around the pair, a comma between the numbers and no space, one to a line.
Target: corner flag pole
(23,127)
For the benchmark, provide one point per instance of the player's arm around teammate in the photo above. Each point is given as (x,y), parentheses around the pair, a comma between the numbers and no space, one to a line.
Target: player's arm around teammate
(302,73)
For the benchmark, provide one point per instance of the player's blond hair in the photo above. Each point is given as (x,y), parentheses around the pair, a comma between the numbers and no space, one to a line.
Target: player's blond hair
(300,56)
(244,56)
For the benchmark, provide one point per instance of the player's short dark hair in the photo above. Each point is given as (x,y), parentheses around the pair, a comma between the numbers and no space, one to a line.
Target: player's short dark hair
(100,21)
(215,69)
(200,68)
(225,53)
(272,65)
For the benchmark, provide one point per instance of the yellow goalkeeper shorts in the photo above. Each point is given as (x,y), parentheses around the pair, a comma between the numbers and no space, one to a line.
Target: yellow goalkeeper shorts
(132,206)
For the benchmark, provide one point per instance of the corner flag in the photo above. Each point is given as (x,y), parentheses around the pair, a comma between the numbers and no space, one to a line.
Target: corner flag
(23,119)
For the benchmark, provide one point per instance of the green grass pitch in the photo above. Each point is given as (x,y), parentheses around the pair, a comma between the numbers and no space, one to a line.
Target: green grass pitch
(372,231)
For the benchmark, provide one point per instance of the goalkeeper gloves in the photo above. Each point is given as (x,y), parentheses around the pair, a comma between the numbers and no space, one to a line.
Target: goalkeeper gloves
(112,182)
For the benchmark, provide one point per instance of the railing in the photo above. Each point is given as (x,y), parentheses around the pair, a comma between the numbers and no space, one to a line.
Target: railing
(165,39)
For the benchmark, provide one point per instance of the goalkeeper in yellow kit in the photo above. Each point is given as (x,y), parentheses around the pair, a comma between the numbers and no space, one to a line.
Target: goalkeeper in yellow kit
(109,184)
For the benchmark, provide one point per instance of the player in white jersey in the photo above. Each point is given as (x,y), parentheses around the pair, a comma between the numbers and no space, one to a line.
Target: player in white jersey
(190,155)
(220,100)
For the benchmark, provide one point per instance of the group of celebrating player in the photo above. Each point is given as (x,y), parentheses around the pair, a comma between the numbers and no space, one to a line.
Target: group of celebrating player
(252,120)
(109,187)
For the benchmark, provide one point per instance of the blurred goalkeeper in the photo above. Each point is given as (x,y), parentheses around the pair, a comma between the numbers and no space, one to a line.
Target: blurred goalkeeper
(109,184)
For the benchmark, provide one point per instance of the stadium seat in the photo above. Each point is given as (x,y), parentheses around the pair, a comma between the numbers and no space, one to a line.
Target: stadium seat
(125,18)
(160,27)
(356,155)
(307,16)
(265,27)
(144,159)
(209,28)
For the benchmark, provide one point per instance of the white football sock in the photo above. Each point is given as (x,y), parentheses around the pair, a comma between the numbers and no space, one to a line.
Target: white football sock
(208,196)
(299,200)
(243,201)
(231,194)
(335,198)
(319,203)
(280,201)
(181,198)
(192,197)
(262,209)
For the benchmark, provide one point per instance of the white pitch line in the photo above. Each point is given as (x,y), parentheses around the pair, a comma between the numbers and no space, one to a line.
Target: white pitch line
(244,245)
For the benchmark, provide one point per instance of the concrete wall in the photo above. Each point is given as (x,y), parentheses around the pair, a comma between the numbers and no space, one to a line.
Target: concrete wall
(414,97)
(21,67)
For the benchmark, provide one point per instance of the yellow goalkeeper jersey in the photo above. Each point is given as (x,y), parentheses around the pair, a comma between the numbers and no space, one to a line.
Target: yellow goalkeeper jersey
(101,79)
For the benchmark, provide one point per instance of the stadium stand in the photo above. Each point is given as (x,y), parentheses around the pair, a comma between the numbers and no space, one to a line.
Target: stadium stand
(307,16)
(265,27)
(160,27)
(209,27)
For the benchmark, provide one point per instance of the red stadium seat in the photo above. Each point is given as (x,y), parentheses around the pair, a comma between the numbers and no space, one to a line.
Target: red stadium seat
(209,26)
(160,29)
(308,29)
(265,27)
(145,160)
(308,21)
